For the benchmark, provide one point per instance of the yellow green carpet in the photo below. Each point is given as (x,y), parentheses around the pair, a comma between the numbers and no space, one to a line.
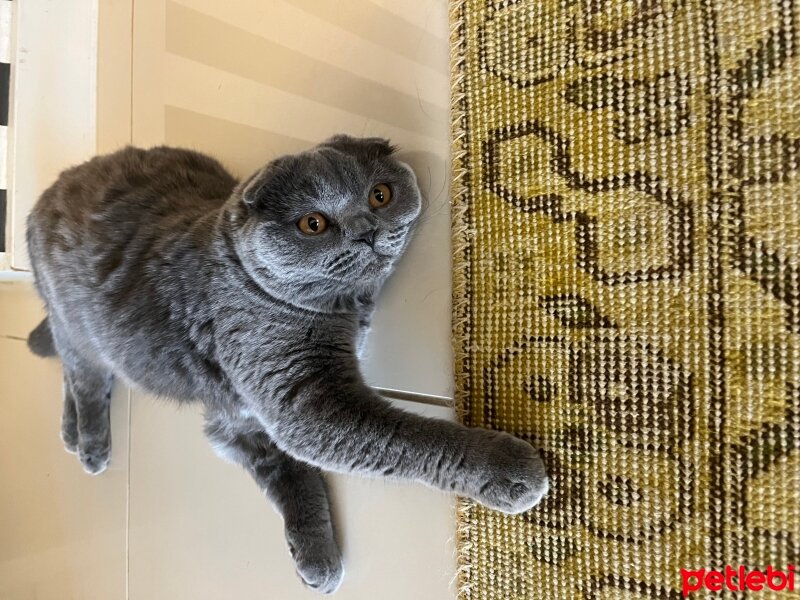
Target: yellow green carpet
(627,286)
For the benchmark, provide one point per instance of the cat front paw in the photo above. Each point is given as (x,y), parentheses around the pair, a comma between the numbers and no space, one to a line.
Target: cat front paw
(511,476)
(319,564)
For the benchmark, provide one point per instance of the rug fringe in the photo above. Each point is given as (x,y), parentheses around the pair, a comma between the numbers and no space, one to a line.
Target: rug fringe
(459,205)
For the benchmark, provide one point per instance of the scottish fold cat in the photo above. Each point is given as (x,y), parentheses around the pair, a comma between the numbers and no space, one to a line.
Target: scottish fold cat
(252,298)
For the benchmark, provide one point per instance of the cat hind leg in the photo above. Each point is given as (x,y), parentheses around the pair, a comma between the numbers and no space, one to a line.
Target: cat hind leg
(298,492)
(69,421)
(86,418)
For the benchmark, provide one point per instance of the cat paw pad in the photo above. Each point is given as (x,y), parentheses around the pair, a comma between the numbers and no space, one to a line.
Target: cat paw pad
(513,477)
(94,461)
(320,567)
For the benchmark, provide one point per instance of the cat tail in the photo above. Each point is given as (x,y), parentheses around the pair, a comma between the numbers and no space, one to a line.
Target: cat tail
(40,340)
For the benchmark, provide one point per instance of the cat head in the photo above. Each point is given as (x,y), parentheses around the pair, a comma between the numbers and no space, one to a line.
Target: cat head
(330,223)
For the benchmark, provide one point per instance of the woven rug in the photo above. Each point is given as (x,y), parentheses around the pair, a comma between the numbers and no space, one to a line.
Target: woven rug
(627,287)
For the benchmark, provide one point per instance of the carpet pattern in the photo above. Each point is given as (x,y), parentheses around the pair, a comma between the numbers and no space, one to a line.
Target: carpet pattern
(627,286)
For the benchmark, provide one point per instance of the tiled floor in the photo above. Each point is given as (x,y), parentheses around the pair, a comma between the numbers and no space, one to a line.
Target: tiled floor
(246,81)
(169,520)
(62,532)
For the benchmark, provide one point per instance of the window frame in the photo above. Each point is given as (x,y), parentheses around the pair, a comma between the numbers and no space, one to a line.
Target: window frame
(70,98)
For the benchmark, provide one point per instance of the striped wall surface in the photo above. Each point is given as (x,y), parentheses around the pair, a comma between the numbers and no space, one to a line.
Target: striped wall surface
(293,69)
(250,80)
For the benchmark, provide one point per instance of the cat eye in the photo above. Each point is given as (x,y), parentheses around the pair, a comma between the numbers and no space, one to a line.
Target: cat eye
(312,223)
(380,196)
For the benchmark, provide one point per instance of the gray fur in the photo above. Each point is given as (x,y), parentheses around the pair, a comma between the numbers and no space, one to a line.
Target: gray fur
(40,340)
(157,267)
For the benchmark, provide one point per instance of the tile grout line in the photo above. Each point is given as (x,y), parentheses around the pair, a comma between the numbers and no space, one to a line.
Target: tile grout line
(415,397)
(131,66)
(128,507)
(13,337)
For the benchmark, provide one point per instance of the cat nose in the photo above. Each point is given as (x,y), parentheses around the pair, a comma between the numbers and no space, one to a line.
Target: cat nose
(367,236)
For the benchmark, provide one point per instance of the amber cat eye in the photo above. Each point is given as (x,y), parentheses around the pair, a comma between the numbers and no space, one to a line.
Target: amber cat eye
(312,223)
(380,195)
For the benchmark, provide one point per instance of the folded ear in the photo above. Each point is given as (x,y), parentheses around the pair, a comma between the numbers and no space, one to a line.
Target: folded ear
(266,184)
(371,148)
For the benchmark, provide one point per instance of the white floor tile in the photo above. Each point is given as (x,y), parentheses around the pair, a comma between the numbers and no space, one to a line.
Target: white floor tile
(62,532)
(200,529)
(21,309)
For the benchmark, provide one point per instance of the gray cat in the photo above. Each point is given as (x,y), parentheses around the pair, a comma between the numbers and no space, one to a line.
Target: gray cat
(253,298)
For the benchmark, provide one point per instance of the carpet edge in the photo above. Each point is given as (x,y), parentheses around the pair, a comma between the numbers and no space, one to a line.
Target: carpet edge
(459,205)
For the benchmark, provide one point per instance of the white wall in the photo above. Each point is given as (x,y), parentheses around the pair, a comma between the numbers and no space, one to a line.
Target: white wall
(249,80)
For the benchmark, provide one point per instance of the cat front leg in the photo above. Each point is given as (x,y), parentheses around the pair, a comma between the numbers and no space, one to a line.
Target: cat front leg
(333,420)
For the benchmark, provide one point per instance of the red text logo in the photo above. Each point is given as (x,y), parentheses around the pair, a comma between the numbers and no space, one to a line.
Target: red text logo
(737,580)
